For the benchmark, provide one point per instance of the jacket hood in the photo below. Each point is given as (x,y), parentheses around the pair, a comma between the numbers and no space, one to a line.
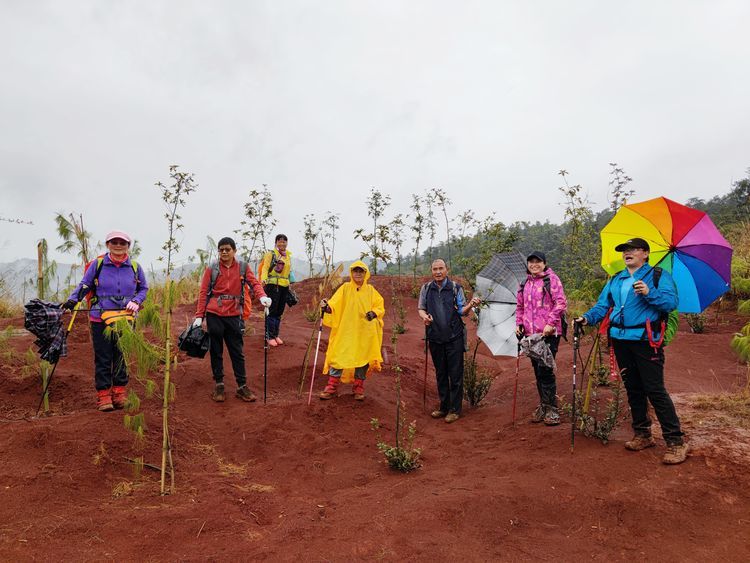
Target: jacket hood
(359,264)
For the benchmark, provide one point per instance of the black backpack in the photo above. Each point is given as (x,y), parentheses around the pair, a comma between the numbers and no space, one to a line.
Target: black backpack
(548,291)
(194,341)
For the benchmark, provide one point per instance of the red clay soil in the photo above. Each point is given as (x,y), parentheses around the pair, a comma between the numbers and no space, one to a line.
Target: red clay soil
(286,481)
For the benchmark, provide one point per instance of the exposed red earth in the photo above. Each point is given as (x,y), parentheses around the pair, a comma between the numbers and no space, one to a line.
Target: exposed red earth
(285,481)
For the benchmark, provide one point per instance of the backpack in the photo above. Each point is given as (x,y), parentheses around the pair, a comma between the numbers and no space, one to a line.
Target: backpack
(91,298)
(244,305)
(548,290)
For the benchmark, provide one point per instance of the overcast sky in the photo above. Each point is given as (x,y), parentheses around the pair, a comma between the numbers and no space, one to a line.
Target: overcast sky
(322,100)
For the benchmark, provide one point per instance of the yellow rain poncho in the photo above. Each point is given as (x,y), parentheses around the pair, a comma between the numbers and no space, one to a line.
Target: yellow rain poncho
(354,341)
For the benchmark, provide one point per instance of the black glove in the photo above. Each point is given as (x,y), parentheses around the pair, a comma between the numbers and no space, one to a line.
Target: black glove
(370,315)
(69,305)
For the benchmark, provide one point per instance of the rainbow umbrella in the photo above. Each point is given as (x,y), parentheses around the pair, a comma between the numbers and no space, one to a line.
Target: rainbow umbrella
(683,240)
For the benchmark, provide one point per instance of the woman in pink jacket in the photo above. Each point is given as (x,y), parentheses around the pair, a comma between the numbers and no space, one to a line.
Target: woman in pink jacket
(541,306)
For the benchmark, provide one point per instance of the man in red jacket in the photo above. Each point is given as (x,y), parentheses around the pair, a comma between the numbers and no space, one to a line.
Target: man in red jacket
(220,306)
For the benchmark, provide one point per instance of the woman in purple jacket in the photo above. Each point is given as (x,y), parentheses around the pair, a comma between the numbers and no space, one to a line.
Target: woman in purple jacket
(541,306)
(115,284)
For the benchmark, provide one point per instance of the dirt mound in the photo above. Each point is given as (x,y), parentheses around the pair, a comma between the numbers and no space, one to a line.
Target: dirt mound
(287,481)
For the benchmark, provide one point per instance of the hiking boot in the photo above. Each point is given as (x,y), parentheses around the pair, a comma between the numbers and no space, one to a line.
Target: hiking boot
(451,417)
(272,342)
(104,400)
(279,341)
(245,394)
(359,390)
(119,396)
(218,395)
(676,453)
(437,414)
(331,389)
(538,414)
(639,443)
(552,418)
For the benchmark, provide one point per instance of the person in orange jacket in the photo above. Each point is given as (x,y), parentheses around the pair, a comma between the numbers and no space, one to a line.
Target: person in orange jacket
(220,307)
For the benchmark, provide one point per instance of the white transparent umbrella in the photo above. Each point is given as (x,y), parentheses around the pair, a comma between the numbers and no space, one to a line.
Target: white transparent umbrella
(497,285)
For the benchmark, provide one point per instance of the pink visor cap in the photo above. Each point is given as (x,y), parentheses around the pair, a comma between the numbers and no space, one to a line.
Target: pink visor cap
(117,234)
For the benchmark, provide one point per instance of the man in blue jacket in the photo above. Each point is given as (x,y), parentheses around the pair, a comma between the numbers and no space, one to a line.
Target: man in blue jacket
(639,305)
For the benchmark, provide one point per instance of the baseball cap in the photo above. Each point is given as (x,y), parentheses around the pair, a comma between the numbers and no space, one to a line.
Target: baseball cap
(633,243)
(537,254)
(117,234)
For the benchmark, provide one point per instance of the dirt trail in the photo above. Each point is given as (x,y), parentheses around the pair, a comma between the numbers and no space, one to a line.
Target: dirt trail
(286,481)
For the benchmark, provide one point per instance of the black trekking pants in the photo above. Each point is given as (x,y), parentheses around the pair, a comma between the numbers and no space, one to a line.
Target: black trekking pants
(642,371)
(109,366)
(545,376)
(226,330)
(278,295)
(449,371)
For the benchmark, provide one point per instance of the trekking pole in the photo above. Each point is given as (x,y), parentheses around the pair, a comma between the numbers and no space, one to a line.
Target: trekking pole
(577,330)
(424,382)
(519,336)
(315,361)
(265,357)
(54,366)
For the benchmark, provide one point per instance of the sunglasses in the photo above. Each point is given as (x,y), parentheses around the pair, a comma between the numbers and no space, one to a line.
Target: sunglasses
(226,249)
(119,242)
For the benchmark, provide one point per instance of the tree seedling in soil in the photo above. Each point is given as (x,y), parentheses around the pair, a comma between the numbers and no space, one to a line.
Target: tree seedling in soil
(174,198)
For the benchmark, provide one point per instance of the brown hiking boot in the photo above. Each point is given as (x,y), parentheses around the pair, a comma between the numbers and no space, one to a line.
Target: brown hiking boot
(437,414)
(538,414)
(676,453)
(451,417)
(218,395)
(639,443)
(245,394)
(104,400)
(119,396)
(552,418)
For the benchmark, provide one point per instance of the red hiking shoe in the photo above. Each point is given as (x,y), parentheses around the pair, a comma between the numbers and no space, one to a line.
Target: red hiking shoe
(104,400)
(331,389)
(119,396)
(359,390)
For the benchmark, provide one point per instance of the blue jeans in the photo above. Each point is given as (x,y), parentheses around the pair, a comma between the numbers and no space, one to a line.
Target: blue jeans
(359,373)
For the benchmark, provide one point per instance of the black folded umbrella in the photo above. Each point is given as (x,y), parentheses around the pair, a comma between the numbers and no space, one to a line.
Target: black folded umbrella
(43,319)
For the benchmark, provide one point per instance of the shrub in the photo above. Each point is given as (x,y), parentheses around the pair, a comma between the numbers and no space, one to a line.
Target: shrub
(696,322)
(601,419)
(404,458)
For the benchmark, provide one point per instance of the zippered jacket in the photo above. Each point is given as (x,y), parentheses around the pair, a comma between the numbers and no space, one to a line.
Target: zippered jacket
(225,297)
(535,308)
(117,284)
(628,318)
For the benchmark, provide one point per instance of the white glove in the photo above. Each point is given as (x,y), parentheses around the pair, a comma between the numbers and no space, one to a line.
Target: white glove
(197,322)
(266,301)
(133,307)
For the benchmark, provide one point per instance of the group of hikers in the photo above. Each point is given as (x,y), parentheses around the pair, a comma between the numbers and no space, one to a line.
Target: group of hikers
(355,314)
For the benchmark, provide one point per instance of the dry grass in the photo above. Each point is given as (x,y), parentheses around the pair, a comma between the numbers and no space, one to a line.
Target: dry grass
(122,489)
(228,469)
(735,407)
(256,488)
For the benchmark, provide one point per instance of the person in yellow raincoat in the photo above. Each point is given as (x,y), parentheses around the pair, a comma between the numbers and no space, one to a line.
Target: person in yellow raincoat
(355,315)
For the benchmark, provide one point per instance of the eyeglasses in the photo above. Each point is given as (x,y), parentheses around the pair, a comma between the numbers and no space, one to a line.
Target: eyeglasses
(118,242)
(225,249)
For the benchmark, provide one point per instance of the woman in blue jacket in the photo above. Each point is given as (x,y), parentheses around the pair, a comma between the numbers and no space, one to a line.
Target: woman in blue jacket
(640,305)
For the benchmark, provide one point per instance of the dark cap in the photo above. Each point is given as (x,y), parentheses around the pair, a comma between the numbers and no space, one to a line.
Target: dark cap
(537,254)
(633,243)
